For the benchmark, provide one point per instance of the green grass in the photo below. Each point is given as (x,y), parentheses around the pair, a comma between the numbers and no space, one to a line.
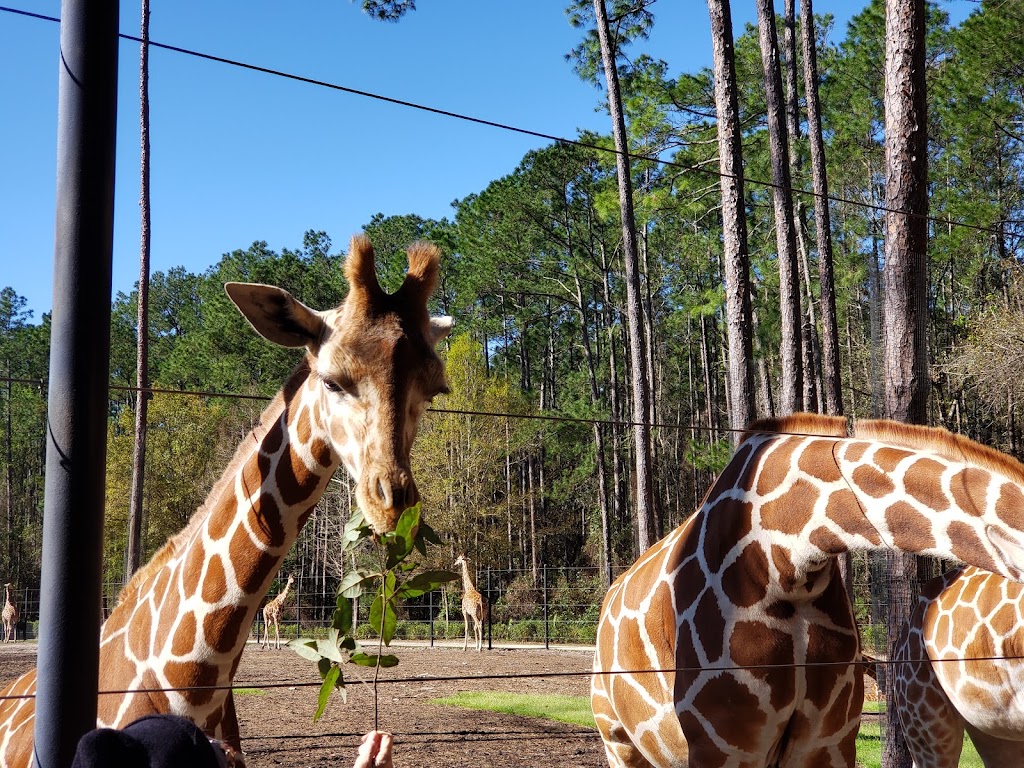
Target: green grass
(248,691)
(869,748)
(576,711)
(565,709)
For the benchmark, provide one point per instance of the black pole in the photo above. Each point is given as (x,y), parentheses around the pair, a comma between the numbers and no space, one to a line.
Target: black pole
(69,612)
(430,616)
(489,603)
(544,577)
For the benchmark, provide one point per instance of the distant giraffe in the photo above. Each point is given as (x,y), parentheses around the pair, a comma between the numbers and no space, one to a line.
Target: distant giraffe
(473,606)
(356,398)
(9,615)
(272,613)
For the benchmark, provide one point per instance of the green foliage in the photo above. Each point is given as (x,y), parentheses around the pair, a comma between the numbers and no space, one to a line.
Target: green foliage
(564,709)
(391,582)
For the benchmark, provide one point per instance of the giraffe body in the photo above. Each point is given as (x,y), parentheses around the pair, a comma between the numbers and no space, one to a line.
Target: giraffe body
(272,613)
(9,615)
(965,643)
(356,399)
(473,606)
(732,643)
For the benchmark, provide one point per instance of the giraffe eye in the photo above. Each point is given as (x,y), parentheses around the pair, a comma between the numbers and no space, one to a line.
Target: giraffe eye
(339,384)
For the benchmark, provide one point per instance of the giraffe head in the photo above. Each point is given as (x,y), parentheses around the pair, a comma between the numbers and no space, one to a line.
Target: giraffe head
(460,560)
(373,369)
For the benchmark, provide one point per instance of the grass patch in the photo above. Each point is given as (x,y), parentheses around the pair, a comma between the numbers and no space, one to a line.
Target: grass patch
(574,710)
(248,691)
(869,748)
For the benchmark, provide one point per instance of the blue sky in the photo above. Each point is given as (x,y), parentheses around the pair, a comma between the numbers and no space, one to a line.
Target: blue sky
(240,156)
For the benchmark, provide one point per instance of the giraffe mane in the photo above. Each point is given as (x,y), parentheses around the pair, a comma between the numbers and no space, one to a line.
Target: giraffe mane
(943,442)
(799,424)
(242,453)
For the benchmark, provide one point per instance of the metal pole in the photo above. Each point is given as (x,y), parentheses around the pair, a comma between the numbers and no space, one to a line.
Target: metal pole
(69,613)
(430,615)
(489,603)
(544,581)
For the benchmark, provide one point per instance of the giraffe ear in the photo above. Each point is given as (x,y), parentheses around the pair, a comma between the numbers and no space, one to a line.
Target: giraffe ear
(440,327)
(277,315)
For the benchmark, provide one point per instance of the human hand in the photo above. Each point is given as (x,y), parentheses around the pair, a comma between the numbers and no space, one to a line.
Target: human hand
(375,751)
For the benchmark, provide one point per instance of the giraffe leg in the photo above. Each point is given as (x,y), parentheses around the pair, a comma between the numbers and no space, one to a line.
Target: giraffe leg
(465,642)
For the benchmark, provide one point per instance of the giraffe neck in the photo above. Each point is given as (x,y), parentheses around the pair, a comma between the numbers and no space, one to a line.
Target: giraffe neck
(209,581)
(815,497)
(467,581)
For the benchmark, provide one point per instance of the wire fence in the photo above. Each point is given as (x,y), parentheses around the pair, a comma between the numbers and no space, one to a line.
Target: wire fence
(550,606)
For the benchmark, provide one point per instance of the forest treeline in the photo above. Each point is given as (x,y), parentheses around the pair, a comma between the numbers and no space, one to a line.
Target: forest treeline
(528,460)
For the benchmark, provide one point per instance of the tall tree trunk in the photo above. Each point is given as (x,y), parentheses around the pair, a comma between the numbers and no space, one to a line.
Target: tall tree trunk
(645,518)
(809,323)
(134,554)
(830,364)
(736,257)
(905,281)
(785,237)
(599,449)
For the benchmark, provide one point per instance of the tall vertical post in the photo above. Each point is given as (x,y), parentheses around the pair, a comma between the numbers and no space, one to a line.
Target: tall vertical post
(488,604)
(69,614)
(544,581)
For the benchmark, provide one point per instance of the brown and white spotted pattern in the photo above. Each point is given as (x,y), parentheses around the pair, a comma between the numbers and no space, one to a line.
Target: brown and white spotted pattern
(732,643)
(964,644)
(272,614)
(473,606)
(356,399)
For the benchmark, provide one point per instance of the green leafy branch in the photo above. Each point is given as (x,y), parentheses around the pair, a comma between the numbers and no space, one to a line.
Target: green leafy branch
(390,581)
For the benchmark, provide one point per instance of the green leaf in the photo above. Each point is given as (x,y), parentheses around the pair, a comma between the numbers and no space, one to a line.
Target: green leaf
(373,660)
(409,523)
(305,647)
(328,648)
(398,548)
(424,582)
(332,679)
(354,582)
(429,534)
(341,619)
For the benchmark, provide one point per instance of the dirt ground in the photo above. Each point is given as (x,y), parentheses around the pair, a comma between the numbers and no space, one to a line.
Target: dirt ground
(276,719)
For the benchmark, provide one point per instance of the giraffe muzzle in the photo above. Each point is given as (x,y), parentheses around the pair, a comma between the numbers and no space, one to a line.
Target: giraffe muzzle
(385,496)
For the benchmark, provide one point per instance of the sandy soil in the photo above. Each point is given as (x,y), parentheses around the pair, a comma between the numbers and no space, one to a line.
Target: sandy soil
(276,718)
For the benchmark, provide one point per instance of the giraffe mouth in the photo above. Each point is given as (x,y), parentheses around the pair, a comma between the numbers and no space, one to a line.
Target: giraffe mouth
(384,495)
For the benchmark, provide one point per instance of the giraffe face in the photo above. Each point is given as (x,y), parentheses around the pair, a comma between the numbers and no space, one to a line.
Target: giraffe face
(373,370)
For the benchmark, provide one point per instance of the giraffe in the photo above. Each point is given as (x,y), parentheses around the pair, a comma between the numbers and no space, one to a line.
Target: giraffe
(968,630)
(355,399)
(9,615)
(272,613)
(473,606)
(732,642)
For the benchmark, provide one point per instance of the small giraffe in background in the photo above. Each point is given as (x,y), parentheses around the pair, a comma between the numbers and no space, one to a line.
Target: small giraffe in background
(473,606)
(272,613)
(9,615)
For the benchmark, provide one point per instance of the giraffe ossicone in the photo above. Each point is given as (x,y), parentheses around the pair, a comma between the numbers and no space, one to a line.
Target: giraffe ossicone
(732,642)
(356,398)
(958,666)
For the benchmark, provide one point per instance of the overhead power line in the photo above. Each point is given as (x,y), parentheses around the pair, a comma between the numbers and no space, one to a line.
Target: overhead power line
(526,131)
